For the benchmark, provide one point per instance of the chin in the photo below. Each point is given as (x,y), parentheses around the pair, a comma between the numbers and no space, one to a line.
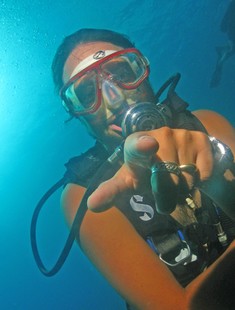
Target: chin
(111,139)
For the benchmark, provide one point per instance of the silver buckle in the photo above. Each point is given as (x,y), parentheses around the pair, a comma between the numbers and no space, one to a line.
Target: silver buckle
(185,255)
(181,260)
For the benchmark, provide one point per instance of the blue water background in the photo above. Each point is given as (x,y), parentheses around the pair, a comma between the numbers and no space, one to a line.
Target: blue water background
(176,36)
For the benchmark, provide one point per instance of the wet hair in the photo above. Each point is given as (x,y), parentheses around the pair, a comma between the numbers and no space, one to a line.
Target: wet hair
(79,37)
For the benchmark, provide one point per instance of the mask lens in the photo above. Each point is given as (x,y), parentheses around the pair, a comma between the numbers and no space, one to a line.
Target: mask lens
(126,69)
(82,94)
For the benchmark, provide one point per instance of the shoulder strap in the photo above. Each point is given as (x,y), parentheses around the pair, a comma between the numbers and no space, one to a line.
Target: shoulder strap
(104,172)
(181,117)
(80,169)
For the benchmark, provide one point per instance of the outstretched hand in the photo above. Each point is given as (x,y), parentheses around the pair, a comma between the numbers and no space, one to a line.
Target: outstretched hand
(142,151)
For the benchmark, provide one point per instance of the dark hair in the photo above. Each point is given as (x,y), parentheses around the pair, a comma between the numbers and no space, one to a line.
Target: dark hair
(79,37)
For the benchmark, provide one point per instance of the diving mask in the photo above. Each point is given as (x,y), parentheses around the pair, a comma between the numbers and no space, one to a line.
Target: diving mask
(98,75)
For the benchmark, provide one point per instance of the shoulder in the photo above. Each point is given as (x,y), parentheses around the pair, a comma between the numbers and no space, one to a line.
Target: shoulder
(213,121)
(70,200)
(217,126)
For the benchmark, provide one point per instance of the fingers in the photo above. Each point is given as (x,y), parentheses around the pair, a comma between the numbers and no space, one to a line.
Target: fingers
(104,196)
(189,177)
(101,198)
(204,159)
(193,157)
(165,190)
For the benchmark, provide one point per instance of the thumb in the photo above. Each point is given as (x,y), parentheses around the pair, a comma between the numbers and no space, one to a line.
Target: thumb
(140,150)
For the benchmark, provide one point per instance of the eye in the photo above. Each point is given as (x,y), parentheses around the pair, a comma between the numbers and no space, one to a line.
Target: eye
(121,71)
(125,73)
(85,90)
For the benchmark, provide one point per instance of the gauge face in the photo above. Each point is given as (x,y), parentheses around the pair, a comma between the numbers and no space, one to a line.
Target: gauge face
(143,116)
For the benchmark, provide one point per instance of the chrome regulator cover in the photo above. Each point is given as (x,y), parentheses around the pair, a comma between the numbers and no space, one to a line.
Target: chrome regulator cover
(145,116)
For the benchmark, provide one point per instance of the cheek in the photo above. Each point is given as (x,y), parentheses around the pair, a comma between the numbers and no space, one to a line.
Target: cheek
(147,90)
(94,124)
(143,93)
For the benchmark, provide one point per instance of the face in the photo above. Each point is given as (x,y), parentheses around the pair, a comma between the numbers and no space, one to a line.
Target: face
(103,123)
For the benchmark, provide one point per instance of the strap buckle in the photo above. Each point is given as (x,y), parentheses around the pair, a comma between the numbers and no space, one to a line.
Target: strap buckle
(173,250)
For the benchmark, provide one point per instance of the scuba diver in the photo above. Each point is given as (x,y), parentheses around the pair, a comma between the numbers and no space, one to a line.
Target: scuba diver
(225,52)
(151,204)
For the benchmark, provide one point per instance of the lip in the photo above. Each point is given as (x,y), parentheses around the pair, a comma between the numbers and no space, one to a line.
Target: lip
(115,124)
(116,128)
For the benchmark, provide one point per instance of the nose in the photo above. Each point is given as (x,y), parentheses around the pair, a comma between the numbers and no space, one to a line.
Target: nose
(112,95)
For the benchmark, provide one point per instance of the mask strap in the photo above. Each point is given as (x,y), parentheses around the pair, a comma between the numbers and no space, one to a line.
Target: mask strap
(90,60)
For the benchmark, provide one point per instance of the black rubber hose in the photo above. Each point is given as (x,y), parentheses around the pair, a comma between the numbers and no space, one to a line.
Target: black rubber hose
(104,172)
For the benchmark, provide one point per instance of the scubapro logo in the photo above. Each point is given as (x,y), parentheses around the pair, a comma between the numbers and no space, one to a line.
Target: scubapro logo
(99,55)
(137,205)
